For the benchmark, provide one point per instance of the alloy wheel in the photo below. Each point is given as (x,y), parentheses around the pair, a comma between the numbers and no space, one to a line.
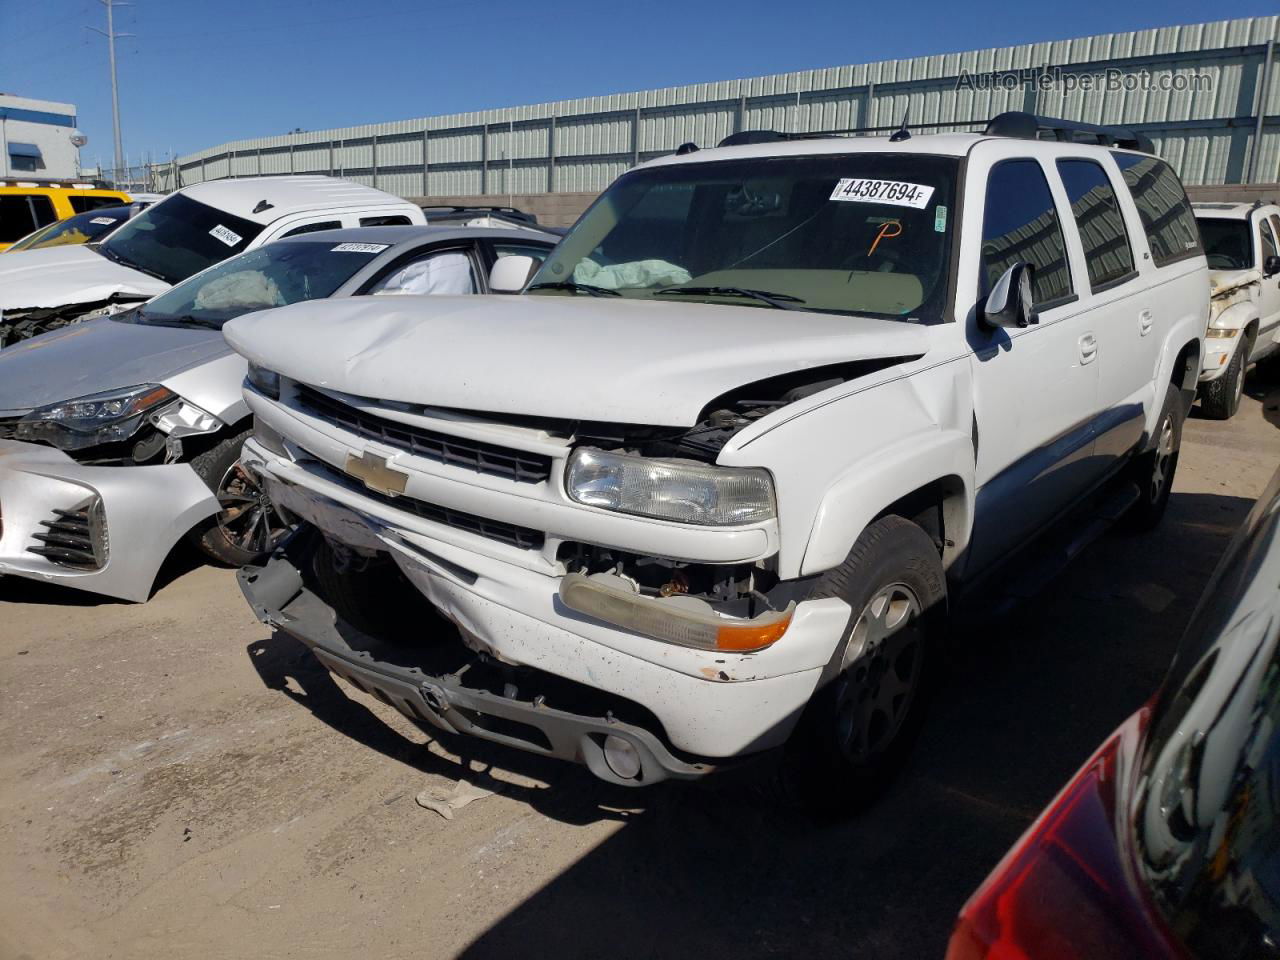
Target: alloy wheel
(248,519)
(1164,454)
(879,673)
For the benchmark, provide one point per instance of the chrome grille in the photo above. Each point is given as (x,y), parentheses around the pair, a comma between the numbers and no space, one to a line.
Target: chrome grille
(488,458)
(509,533)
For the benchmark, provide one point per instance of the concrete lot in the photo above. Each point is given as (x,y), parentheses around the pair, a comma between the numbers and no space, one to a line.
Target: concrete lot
(174,782)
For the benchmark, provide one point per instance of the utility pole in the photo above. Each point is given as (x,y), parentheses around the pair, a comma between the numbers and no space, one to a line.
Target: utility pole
(111,35)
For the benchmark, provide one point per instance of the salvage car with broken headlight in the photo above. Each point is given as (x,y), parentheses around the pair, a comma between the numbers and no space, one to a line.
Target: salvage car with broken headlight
(707,488)
(122,434)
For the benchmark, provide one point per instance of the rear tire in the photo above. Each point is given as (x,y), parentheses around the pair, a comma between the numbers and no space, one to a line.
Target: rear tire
(1220,398)
(860,724)
(1154,470)
(249,526)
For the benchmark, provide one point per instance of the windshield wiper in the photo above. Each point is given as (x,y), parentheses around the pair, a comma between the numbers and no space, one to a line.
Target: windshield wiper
(575,287)
(113,256)
(180,321)
(782,301)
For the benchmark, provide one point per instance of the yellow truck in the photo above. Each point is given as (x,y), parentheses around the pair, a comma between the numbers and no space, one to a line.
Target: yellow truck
(27,206)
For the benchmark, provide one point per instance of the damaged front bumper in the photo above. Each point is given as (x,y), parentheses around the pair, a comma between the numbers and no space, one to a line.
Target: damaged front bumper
(103,529)
(281,598)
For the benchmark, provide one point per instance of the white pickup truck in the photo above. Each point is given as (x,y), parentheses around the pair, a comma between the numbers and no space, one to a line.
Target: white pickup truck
(186,232)
(707,487)
(1242,246)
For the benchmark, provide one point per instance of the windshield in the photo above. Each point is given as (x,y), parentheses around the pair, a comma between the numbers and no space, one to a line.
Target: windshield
(82,228)
(1226,243)
(178,238)
(277,274)
(866,233)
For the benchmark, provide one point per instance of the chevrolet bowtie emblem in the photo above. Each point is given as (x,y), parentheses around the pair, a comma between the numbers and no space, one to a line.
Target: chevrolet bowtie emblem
(373,471)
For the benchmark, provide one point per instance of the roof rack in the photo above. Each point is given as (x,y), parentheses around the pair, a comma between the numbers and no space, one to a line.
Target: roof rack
(1029,126)
(453,211)
(772,136)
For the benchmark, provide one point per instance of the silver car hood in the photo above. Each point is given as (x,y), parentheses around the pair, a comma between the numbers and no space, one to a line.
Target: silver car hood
(98,355)
(63,276)
(571,357)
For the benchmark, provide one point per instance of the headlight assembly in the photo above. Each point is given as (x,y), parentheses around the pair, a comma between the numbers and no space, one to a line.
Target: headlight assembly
(670,489)
(266,382)
(88,421)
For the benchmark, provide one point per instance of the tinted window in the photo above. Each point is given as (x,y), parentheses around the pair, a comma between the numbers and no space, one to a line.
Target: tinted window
(1099,220)
(313,228)
(82,228)
(1275,225)
(397,220)
(179,237)
(19,215)
(1226,243)
(1021,223)
(539,253)
(1162,206)
(85,204)
(1268,244)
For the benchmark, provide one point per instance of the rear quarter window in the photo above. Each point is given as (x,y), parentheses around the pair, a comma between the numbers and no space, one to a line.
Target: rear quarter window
(1162,206)
(85,204)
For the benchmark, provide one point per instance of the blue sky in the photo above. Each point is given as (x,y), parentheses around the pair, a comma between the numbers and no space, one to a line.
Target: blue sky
(198,74)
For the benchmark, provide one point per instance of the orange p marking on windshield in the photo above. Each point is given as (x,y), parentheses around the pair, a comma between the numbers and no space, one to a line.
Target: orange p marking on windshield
(884,234)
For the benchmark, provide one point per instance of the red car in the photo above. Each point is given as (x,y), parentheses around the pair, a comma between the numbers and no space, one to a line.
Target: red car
(1167,842)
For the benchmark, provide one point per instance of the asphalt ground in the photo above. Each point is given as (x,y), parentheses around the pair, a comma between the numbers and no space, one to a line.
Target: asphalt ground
(176,782)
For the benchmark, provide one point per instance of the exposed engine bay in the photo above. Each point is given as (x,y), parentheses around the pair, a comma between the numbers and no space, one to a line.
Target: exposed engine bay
(22,323)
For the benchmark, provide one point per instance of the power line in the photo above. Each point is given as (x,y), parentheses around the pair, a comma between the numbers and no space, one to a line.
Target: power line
(111,35)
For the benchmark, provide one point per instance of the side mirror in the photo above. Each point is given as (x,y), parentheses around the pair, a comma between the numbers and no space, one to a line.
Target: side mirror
(1270,266)
(1010,303)
(510,274)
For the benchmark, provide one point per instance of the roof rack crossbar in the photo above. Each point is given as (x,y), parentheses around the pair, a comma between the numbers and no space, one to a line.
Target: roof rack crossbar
(1029,126)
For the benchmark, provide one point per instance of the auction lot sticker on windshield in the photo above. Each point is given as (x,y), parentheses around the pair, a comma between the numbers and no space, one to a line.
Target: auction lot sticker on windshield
(104,221)
(893,192)
(360,248)
(229,237)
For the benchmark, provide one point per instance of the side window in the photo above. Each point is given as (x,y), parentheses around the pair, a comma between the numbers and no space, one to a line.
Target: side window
(1021,223)
(398,220)
(1162,206)
(1098,218)
(85,204)
(441,271)
(16,218)
(1275,225)
(312,228)
(42,210)
(539,253)
(1267,242)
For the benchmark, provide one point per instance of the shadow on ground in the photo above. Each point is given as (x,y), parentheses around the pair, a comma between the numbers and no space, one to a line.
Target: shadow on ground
(732,871)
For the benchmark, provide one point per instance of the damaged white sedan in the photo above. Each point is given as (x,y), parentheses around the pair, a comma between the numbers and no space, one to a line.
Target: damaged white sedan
(708,487)
(120,435)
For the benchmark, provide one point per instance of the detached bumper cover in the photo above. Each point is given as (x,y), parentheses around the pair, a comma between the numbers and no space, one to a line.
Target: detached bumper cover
(280,598)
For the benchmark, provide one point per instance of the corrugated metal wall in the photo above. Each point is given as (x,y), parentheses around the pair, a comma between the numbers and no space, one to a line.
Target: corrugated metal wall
(1199,105)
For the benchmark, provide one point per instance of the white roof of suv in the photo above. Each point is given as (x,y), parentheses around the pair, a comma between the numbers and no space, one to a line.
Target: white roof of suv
(1229,211)
(286,195)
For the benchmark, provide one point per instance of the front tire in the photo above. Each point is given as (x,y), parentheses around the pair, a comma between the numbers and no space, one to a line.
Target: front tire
(1220,398)
(248,526)
(861,723)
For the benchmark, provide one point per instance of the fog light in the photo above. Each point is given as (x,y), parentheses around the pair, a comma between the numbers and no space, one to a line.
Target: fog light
(622,757)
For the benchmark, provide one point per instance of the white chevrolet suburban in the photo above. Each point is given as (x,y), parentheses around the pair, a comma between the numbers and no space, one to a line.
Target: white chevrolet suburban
(1242,246)
(707,487)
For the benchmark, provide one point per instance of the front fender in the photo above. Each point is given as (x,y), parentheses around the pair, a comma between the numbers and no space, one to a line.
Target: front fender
(863,492)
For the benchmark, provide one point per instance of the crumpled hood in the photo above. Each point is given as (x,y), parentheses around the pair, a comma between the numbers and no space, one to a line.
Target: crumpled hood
(62,276)
(1224,281)
(98,355)
(572,357)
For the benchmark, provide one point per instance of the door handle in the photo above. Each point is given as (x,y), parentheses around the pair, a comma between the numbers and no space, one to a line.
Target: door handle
(1144,323)
(1088,348)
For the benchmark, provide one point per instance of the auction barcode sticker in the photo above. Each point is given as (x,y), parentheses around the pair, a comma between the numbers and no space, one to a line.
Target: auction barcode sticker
(229,237)
(103,221)
(893,192)
(360,248)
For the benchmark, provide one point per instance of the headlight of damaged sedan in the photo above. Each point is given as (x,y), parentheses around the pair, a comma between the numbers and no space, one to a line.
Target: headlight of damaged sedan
(88,421)
(670,489)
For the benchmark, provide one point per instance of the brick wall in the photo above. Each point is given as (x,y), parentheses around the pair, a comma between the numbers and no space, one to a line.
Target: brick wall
(1235,193)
